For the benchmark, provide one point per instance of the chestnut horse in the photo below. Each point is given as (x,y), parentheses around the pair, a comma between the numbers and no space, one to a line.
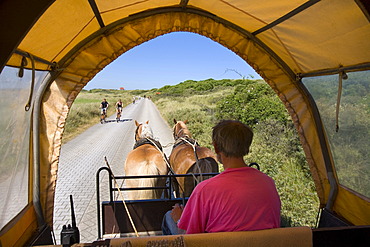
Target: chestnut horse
(145,159)
(188,157)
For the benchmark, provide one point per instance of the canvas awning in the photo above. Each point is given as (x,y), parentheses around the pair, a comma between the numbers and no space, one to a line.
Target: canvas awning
(282,40)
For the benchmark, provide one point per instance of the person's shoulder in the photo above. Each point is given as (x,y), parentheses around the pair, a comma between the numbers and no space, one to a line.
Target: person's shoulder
(248,171)
(262,176)
(208,182)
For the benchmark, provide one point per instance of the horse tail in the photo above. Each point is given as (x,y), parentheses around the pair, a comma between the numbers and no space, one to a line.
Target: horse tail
(205,165)
(150,168)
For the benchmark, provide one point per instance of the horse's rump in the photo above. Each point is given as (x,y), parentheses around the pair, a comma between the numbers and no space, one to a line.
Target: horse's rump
(145,160)
(183,161)
(188,156)
(205,165)
(150,168)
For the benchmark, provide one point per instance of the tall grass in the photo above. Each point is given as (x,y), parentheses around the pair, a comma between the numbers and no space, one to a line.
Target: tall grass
(277,149)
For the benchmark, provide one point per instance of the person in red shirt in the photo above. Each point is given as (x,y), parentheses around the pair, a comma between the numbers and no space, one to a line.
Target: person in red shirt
(239,199)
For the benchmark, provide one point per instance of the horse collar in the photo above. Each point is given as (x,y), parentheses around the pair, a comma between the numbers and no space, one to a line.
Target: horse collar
(181,141)
(150,141)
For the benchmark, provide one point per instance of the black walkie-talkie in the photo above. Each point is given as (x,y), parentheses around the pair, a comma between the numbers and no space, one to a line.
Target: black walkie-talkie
(70,235)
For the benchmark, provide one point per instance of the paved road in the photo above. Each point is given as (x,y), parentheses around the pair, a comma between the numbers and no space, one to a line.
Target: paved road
(81,157)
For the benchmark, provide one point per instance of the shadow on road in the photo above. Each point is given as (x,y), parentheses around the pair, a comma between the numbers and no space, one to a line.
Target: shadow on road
(116,121)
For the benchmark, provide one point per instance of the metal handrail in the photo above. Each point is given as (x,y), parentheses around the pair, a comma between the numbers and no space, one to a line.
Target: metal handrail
(98,194)
(167,176)
(141,188)
(112,189)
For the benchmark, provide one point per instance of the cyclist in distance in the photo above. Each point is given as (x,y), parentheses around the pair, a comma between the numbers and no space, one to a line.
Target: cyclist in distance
(104,107)
(118,109)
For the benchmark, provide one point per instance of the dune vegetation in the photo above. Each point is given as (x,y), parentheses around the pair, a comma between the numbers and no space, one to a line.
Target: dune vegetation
(276,147)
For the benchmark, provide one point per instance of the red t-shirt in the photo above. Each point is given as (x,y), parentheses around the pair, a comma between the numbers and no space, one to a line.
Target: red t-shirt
(238,199)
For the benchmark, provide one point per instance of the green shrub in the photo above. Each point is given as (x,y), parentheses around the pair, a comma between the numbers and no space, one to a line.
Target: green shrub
(252,104)
(276,147)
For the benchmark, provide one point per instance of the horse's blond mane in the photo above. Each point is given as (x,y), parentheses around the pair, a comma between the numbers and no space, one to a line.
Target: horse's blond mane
(182,131)
(146,131)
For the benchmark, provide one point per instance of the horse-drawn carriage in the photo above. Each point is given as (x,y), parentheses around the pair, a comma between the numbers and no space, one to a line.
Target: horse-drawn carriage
(51,49)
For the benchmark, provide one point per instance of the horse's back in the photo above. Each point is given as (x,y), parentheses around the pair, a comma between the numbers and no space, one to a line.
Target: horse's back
(145,160)
(183,157)
(204,165)
(183,161)
(145,154)
(204,152)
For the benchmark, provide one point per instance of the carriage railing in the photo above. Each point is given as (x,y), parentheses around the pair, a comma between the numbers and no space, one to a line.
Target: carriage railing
(168,188)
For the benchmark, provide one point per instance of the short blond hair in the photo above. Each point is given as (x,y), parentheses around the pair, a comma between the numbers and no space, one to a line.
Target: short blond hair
(232,137)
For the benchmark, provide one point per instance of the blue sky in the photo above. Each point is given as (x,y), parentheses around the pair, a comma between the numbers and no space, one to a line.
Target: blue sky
(169,60)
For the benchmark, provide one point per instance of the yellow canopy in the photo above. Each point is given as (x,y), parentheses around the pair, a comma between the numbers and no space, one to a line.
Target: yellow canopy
(282,40)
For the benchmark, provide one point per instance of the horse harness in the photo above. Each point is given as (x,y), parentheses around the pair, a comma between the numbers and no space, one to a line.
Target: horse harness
(185,140)
(150,141)
(194,144)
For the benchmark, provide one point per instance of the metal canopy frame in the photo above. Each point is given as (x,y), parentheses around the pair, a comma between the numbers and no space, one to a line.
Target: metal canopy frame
(97,13)
(164,10)
(287,16)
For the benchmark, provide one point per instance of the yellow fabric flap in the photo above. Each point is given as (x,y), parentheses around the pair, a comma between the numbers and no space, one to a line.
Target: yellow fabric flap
(290,236)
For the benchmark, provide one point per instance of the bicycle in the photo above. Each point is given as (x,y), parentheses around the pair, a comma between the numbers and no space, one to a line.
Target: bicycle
(103,116)
(118,116)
